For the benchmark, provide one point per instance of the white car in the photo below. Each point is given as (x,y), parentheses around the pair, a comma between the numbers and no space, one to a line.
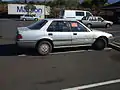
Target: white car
(29,17)
(74,14)
(47,34)
(96,21)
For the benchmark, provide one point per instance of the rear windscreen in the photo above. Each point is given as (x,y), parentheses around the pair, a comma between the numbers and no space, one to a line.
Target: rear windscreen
(38,25)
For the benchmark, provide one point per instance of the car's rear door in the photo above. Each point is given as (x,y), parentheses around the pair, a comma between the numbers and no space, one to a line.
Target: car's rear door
(80,34)
(59,31)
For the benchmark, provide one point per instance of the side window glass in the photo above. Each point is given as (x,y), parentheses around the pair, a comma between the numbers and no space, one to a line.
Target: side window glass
(51,28)
(90,19)
(99,19)
(64,26)
(79,13)
(84,18)
(77,27)
(59,26)
(88,14)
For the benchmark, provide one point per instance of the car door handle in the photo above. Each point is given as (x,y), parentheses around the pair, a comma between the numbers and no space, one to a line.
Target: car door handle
(74,33)
(50,34)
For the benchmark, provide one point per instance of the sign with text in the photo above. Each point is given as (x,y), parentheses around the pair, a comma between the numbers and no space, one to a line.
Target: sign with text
(18,9)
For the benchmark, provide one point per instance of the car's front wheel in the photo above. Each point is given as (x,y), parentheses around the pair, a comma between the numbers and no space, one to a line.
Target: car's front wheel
(44,48)
(89,25)
(24,19)
(108,25)
(100,44)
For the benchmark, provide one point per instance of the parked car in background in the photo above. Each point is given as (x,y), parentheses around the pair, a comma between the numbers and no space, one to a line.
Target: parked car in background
(96,21)
(29,17)
(74,14)
(47,34)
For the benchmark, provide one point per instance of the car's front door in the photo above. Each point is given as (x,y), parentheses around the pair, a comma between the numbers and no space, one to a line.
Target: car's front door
(80,34)
(101,22)
(59,31)
(94,22)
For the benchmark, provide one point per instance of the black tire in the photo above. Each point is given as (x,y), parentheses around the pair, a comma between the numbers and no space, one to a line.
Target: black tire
(44,48)
(89,25)
(100,44)
(108,25)
(24,19)
(36,19)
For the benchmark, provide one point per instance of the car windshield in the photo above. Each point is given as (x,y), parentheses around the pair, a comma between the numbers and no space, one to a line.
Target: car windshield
(37,25)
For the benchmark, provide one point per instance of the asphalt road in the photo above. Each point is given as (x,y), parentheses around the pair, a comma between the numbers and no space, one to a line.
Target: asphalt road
(62,69)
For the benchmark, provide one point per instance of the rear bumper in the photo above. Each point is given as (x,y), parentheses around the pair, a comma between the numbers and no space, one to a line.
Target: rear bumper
(26,44)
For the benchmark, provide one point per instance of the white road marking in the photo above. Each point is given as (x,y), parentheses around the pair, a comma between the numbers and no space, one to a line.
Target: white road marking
(77,51)
(116,43)
(68,52)
(22,55)
(108,49)
(94,85)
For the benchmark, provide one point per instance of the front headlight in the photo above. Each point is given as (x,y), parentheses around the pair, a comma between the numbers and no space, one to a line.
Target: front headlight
(111,36)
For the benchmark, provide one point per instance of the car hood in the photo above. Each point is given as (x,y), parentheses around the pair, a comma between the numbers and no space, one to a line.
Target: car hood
(108,22)
(101,33)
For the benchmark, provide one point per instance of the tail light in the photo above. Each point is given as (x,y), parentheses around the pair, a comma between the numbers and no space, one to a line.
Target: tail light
(19,36)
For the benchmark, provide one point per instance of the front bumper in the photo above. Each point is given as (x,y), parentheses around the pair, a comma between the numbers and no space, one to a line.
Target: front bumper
(111,40)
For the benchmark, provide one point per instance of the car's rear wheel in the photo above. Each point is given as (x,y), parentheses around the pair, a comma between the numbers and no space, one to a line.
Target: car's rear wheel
(100,44)
(89,25)
(44,48)
(108,25)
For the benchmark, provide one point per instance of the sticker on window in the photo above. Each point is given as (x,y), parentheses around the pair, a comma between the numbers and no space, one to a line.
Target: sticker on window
(74,24)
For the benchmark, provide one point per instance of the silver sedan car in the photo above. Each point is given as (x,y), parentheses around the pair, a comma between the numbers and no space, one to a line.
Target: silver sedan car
(96,21)
(47,34)
(29,17)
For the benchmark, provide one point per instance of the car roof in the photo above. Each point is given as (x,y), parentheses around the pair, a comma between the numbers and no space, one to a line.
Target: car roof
(58,19)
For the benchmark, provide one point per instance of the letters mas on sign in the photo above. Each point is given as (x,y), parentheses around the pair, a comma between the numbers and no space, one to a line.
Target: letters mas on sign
(21,9)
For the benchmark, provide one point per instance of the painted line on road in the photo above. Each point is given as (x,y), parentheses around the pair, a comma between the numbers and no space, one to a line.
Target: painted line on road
(116,43)
(22,55)
(78,51)
(94,85)
(67,52)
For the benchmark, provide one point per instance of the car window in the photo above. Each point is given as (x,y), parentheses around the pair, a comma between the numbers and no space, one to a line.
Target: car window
(27,15)
(90,19)
(100,19)
(93,19)
(79,13)
(77,27)
(88,14)
(37,25)
(59,26)
(85,18)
